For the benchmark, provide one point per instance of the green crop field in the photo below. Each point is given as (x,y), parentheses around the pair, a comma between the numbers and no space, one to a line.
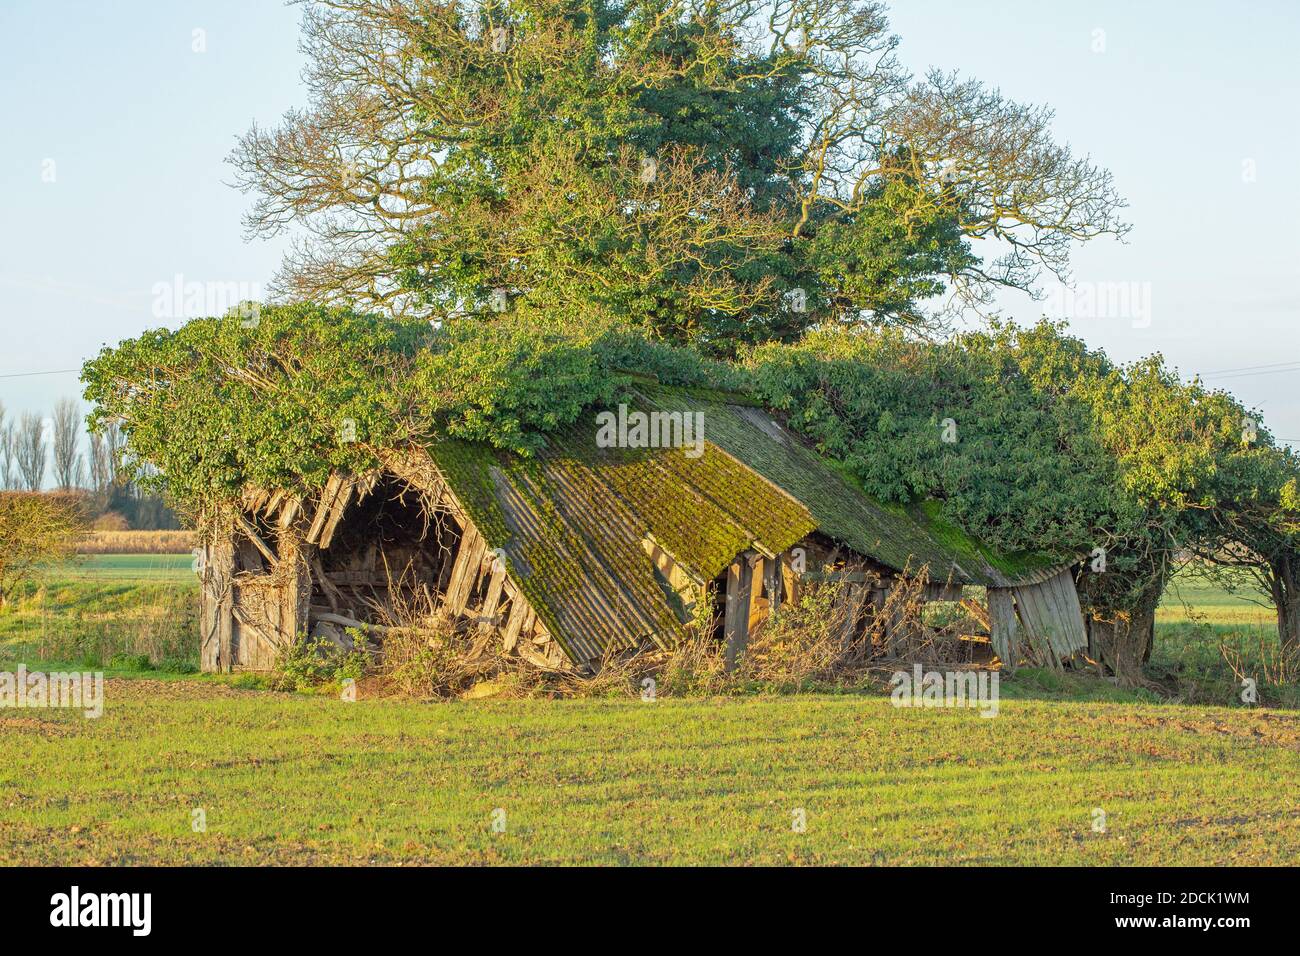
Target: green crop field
(195,769)
(291,779)
(100,607)
(133,567)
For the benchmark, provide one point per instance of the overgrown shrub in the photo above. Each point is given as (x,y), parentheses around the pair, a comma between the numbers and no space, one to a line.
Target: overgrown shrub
(35,530)
(314,662)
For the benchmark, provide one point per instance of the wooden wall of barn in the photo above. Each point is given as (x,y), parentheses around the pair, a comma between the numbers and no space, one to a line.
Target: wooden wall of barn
(261,570)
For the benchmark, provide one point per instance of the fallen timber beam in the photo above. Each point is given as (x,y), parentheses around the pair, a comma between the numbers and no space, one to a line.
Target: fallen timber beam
(344,621)
(251,533)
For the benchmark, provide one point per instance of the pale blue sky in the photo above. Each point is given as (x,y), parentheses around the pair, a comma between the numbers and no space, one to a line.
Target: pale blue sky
(1183,99)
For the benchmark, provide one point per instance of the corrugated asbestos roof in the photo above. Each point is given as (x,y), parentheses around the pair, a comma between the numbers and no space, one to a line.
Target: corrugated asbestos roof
(902,538)
(572,520)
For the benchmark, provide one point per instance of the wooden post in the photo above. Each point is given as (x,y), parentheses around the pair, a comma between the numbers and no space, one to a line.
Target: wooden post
(216,622)
(735,628)
(297,590)
(757,606)
(774,585)
(514,624)
(852,609)
(790,578)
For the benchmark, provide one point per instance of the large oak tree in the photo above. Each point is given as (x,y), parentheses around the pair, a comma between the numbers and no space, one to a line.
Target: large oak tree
(717,170)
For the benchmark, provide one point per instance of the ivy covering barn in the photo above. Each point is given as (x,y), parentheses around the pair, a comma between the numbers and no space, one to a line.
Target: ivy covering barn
(342,467)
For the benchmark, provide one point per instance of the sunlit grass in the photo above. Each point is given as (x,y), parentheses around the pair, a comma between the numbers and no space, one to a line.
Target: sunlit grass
(98,608)
(1192,598)
(286,778)
(290,779)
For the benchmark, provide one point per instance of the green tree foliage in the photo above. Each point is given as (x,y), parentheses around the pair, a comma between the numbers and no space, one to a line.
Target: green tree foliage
(223,404)
(1025,470)
(1059,451)
(1255,526)
(714,173)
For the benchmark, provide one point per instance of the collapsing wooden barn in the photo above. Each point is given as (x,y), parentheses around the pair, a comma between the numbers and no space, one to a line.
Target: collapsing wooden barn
(583,550)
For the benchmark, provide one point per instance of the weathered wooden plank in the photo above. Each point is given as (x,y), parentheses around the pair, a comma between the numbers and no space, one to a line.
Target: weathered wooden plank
(757,604)
(678,575)
(1057,639)
(446,564)
(252,534)
(217,571)
(272,507)
(468,557)
(487,614)
(292,506)
(790,578)
(1052,618)
(1004,629)
(1031,627)
(853,602)
(235,647)
(735,628)
(1037,618)
(337,511)
(245,644)
(324,507)
(515,623)
(295,562)
(1072,634)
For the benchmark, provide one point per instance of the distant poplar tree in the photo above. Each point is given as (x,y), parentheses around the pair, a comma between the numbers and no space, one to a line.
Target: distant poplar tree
(66,442)
(31,452)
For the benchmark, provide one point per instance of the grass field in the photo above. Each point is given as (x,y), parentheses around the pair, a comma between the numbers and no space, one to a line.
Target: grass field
(1191,599)
(286,778)
(101,607)
(175,568)
(291,779)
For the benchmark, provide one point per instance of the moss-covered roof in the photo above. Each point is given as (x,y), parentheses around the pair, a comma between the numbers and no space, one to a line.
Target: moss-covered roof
(897,536)
(573,519)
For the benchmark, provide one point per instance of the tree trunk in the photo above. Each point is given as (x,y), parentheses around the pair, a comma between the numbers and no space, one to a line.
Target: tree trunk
(1121,645)
(1123,641)
(1285,584)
